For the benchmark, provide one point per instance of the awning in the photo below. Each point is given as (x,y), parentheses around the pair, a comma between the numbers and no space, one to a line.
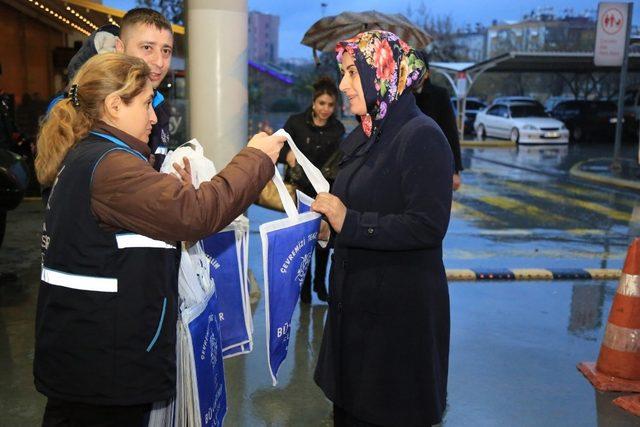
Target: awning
(82,16)
(463,75)
(536,62)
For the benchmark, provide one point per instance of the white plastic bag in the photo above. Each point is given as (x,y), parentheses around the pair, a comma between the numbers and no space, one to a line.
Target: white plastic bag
(202,169)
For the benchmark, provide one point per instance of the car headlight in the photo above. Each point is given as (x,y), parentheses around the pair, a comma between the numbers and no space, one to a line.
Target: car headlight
(529,127)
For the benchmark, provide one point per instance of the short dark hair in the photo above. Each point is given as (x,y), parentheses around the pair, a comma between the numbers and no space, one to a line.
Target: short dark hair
(143,15)
(325,85)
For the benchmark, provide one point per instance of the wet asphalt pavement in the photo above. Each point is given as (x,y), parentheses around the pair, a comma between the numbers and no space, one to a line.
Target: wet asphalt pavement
(514,345)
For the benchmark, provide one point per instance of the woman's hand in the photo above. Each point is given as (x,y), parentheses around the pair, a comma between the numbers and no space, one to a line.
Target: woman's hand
(325,232)
(456,181)
(184,173)
(268,144)
(291,159)
(331,207)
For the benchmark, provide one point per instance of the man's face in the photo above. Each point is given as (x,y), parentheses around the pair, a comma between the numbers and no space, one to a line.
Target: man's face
(153,45)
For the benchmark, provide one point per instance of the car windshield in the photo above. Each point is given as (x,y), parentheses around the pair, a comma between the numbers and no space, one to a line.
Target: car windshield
(474,105)
(531,110)
(603,107)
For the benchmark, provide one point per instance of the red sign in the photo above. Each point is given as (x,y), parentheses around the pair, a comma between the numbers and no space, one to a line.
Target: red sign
(611,34)
(612,21)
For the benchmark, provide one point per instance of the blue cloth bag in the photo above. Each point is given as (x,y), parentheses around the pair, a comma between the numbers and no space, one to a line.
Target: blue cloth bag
(304,202)
(287,250)
(225,251)
(204,332)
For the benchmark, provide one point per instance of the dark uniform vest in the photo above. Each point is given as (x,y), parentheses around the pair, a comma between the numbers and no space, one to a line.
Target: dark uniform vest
(160,133)
(107,305)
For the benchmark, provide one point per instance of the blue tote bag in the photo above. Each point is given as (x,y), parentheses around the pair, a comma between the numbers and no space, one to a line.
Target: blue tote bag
(207,369)
(226,253)
(287,249)
(304,202)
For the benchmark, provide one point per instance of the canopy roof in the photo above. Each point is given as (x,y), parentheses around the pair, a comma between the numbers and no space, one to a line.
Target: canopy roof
(536,62)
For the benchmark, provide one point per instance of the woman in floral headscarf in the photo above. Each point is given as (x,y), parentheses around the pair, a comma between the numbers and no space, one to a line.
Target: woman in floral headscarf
(385,351)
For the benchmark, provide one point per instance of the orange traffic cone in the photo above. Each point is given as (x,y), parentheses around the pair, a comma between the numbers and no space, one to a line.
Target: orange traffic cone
(618,366)
(629,403)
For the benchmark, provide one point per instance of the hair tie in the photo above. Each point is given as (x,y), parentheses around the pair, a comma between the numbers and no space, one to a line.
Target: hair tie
(73,95)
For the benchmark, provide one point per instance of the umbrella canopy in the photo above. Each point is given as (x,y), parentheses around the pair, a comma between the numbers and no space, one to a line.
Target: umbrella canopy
(325,33)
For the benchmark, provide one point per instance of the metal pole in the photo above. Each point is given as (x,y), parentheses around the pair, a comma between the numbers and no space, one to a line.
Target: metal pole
(460,116)
(217,40)
(616,165)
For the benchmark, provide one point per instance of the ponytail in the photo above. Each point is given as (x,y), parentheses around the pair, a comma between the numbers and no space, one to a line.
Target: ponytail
(62,129)
(71,119)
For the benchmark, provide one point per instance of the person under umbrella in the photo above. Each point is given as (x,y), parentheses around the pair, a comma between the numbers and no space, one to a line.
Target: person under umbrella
(435,102)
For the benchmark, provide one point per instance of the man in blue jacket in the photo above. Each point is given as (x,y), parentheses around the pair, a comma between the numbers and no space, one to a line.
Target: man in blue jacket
(148,35)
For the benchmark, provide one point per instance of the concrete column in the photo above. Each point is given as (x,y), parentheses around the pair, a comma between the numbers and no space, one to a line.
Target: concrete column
(217,34)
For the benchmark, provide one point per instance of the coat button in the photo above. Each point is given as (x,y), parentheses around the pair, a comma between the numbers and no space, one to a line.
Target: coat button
(370,231)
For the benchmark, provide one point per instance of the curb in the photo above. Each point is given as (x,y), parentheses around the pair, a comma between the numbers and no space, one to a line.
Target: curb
(594,177)
(489,143)
(465,275)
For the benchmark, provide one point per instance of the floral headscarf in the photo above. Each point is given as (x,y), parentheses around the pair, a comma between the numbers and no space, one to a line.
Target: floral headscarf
(387,67)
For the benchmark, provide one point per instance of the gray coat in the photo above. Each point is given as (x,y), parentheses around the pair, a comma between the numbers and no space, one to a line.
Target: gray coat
(385,351)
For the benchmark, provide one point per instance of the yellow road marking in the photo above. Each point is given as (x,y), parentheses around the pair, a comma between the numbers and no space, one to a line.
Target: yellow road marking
(466,275)
(502,252)
(532,274)
(512,205)
(541,232)
(586,232)
(590,193)
(604,273)
(609,197)
(460,274)
(537,192)
(464,211)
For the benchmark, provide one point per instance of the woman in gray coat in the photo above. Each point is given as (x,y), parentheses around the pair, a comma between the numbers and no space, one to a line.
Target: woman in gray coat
(385,351)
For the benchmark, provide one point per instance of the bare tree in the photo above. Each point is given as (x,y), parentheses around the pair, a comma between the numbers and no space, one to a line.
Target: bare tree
(442,29)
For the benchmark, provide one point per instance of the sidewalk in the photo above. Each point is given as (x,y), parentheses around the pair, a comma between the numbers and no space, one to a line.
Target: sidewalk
(599,170)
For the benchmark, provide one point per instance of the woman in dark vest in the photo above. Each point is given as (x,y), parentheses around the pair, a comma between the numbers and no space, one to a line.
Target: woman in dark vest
(385,350)
(317,132)
(108,300)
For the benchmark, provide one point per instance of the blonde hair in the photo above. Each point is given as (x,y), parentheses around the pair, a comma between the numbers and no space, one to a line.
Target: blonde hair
(66,124)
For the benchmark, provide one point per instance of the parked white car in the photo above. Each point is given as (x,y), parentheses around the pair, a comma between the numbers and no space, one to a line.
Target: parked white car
(522,123)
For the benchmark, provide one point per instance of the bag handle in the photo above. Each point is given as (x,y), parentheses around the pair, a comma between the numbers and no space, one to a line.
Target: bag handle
(287,201)
(319,182)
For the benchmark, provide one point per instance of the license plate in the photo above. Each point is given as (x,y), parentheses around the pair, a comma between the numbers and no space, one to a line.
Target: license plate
(551,134)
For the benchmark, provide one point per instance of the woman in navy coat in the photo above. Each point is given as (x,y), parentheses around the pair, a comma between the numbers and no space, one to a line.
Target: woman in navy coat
(385,351)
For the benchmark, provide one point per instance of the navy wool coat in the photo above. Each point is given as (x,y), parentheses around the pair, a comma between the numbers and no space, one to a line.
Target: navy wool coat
(385,350)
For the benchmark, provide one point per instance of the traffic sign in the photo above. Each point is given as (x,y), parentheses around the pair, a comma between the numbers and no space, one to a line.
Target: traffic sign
(611,34)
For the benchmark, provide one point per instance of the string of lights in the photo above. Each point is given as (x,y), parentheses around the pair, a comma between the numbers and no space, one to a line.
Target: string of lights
(46,9)
(82,18)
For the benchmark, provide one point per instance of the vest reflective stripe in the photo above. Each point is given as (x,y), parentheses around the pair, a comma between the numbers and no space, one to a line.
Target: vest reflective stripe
(138,241)
(76,281)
